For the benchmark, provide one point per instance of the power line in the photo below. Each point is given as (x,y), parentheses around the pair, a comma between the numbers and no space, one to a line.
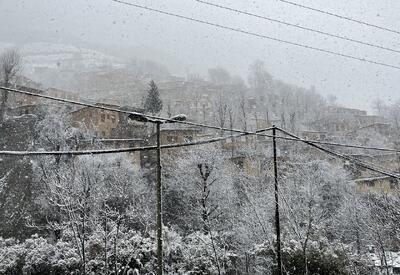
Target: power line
(290,139)
(299,26)
(353,160)
(259,35)
(124,111)
(76,152)
(196,124)
(125,150)
(339,144)
(168,146)
(341,16)
(110,140)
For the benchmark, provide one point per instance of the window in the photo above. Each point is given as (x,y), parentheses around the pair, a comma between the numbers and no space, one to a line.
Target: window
(240,163)
(108,116)
(371,183)
(103,117)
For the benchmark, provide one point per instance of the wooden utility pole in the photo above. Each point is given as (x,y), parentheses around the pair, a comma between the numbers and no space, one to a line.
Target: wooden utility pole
(159,206)
(277,221)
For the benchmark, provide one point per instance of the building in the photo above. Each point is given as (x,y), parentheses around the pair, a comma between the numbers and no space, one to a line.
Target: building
(374,128)
(392,260)
(383,184)
(314,135)
(62,94)
(18,100)
(250,165)
(344,120)
(108,124)
(101,122)
(170,136)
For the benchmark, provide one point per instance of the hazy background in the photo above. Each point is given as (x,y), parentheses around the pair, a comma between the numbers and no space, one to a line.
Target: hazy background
(188,47)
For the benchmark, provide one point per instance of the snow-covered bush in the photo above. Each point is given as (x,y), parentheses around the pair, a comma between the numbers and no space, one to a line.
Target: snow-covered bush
(37,256)
(11,256)
(323,258)
(43,257)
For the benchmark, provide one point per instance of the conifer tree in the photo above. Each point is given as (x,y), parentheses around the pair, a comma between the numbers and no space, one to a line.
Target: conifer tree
(153,104)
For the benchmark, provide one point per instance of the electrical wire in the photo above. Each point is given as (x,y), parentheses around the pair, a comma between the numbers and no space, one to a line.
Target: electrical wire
(338,144)
(199,124)
(298,26)
(335,144)
(152,117)
(122,150)
(341,16)
(110,140)
(259,35)
(342,156)
(125,150)
(77,152)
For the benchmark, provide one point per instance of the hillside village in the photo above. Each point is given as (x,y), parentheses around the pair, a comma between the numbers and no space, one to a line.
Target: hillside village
(219,99)
(200,100)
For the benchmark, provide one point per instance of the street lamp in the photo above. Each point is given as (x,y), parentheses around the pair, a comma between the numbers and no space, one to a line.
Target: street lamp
(158,122)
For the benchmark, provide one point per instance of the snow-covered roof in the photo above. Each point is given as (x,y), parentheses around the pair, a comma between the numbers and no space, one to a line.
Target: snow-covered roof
(392,258)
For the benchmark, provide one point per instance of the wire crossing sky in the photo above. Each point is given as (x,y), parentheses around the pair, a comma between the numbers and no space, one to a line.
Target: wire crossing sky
(191,48)
(260,35)
(300,27)
(341,17)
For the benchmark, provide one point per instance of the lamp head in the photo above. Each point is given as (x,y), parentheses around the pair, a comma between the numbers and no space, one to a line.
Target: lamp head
(138,117)
(180,117)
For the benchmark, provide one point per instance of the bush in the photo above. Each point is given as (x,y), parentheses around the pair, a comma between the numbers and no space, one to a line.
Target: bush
(194,254)
(322,258)
(37,256)
(12,257)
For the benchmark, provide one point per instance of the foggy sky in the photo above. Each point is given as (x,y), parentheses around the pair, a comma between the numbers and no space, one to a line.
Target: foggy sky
(191,47)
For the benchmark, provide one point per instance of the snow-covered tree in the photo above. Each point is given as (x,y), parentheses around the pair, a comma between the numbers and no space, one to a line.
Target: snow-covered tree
(310,195)
(10,66)
(153,103)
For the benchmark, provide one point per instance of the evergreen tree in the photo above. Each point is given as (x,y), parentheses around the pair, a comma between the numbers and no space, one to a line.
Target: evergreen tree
(153,104)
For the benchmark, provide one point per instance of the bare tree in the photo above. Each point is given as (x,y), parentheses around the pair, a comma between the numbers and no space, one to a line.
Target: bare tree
(231,117)
(315,187)
(10,66)
(242,108)
(221,113)
(378,105)
(259,79)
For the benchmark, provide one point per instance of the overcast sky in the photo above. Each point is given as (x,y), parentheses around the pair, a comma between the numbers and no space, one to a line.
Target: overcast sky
(194,47)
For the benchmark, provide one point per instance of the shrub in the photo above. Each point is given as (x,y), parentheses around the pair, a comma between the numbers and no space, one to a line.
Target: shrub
(37,256)
(322,258)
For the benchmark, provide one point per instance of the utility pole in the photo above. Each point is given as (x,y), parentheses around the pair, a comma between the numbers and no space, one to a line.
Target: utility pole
(143,118)
(159,205)
(277,222)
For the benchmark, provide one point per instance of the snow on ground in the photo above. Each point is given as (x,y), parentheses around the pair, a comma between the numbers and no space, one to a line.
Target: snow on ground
(61,56)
